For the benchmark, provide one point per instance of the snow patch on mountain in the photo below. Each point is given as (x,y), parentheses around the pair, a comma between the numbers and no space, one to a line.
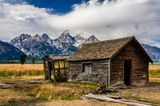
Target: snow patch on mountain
(79,40)
(35,46)
(38,46)
(91,39)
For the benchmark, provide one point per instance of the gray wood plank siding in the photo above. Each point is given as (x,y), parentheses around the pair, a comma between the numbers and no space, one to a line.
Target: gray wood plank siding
(139,70)
(98,74)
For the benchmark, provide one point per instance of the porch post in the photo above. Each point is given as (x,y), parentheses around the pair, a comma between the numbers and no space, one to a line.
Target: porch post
(109,72)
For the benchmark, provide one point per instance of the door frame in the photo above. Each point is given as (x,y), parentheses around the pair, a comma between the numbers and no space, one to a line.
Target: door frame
(50,68)
(130,82)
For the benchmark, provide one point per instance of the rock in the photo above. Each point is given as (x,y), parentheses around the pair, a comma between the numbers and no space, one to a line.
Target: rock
(36,81)
(5,86)
(118,85)
(101,89)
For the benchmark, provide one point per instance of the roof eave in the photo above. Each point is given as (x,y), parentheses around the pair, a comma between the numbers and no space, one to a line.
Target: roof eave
(122,47)
(132,38)
(87,59)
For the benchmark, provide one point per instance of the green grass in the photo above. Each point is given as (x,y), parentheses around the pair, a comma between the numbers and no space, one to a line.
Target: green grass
(154,73)
(29,102)
(60,91)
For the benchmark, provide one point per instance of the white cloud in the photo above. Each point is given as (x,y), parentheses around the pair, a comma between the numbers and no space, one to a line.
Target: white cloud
(106,20)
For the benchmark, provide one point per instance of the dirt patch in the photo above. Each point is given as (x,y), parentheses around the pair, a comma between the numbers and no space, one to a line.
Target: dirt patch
(150,93)
(79,103)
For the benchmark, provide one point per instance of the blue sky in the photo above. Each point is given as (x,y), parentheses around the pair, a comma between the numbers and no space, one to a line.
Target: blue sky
(59,6)
(106,19)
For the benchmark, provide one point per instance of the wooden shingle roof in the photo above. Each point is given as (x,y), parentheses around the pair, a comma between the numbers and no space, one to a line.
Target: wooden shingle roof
(101,50)
(55,57)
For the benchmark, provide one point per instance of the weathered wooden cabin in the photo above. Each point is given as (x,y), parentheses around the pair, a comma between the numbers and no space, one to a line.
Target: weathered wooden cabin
(56,68)
(109,62)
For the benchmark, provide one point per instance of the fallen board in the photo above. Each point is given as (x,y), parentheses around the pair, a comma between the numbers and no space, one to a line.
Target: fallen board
(124,101)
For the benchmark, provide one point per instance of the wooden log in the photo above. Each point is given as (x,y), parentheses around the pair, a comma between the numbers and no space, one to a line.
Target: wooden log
(123,101)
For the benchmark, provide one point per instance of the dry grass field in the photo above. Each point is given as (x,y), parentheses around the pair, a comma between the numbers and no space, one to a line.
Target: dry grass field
(23,91)
(154,72)
(19,67)
(18,70)
(154,66)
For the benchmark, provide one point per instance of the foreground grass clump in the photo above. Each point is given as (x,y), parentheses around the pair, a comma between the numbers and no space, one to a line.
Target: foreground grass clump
(17,70)
(31,93)
(59,91)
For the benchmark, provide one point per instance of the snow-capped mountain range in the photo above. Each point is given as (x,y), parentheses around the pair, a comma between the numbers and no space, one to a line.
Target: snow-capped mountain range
(40,45)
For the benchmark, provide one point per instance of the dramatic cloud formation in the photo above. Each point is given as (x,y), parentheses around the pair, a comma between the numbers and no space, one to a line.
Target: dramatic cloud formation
(105,19)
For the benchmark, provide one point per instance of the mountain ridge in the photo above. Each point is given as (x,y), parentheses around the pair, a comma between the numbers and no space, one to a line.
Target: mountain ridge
(152,51)
(9,52)
(39,45)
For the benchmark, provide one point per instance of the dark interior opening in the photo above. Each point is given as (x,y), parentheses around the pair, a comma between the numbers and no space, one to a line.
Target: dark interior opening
(49,69)
(127,72)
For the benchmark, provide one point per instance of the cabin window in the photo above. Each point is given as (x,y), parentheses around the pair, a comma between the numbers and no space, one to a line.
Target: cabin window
(87,68)
(60,64)
(60,70)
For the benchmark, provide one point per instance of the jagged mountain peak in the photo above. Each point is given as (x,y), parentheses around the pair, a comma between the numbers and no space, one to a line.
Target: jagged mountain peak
(65,33)
(78,36)
(46,39)
(65,44)
(79,40)
(91,39)
(65,37)
(39,45)
(45,36)
(37,37)
(24,36)
(21,37)
(18,41)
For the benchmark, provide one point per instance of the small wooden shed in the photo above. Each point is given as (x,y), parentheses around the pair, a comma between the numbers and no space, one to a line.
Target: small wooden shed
(109,62)
(56,68)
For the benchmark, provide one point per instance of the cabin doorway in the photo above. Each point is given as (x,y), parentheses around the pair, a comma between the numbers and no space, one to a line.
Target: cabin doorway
(50,69)
(127,72)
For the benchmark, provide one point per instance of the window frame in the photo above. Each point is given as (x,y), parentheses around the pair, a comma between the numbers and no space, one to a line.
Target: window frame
(83,68)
